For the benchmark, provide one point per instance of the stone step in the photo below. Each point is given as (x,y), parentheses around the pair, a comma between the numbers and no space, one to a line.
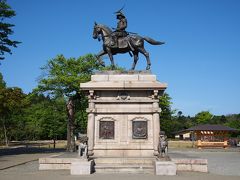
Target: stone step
(124,168)
(124,165)
(117,160)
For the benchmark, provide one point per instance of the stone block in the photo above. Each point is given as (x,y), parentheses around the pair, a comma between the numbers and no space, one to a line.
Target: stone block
(198,165)
(147,77)
(54,166)
(199,161)
(167,168)
(123,77)
(199,168)
(184,167)
(81,167)
(99,78)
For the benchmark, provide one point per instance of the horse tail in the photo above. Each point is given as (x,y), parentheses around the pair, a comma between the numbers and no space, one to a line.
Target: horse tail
(152,41)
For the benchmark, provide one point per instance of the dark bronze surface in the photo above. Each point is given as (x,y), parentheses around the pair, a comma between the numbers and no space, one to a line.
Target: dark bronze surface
(121,41)
(139,129)
(106,130)
(123,95)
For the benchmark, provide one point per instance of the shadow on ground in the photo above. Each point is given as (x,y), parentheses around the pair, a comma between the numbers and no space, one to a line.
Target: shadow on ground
(28,150)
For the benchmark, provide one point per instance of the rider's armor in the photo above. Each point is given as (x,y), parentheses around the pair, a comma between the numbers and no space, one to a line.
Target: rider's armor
(120,31)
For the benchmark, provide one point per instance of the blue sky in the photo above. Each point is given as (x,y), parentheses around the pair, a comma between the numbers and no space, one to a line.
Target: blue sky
(200,60)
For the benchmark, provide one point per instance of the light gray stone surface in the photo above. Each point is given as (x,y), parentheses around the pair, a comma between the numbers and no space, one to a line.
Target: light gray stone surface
(50,163)
(167,168)
(115,81)
(193,164)
(124,165)
(81,167)
(123,98)
(222,162)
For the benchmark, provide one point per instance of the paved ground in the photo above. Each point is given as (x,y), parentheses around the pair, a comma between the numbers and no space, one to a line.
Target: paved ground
(15,156)
(221,162)
(30,171)
(222,165)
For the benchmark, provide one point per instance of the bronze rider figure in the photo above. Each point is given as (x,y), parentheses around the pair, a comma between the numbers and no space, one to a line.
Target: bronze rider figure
(120,30)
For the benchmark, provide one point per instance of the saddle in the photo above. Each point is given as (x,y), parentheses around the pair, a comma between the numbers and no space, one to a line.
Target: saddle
(122,42)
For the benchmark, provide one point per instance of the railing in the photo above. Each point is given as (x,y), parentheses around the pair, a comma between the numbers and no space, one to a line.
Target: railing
(201,144)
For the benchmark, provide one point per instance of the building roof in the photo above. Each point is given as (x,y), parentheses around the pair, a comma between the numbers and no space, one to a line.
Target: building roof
(207,127)
(211,127)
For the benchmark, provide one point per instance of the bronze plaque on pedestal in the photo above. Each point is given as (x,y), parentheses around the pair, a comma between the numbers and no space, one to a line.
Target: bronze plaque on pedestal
(139,129)
(106,130)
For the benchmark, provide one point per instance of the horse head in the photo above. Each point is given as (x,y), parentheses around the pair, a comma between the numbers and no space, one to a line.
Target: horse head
(96,31)
(100,29)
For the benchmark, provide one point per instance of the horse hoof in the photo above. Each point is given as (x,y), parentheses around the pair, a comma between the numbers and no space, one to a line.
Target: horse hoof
(102,64)
(148,67)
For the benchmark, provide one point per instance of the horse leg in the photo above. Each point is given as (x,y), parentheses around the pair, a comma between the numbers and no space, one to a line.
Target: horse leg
(102,52)
(135,53)
(111,58)
(146,54)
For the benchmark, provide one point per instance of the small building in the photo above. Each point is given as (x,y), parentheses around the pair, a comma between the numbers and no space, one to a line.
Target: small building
(207,135)
(183,135)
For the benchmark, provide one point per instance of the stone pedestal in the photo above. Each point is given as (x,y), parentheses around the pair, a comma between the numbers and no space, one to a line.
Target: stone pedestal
(165,168)
(123,114)
(81,167)
(196,165)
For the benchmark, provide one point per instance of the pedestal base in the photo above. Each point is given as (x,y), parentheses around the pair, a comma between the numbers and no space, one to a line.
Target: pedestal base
(81,167)
(123,114)
(165,168)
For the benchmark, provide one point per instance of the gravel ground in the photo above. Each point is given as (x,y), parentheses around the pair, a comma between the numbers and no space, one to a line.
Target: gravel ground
(222,165)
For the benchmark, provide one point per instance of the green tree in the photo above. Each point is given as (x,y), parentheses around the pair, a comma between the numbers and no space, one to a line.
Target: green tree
(6,29)
(12,101)
(166,120)
(233,121)
(218,120)
(203,117)
(44,118)
(2,82)
(62,77)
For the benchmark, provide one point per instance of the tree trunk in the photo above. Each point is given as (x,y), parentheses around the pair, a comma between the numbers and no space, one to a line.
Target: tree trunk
(54,143)
(5,133)
(70,126)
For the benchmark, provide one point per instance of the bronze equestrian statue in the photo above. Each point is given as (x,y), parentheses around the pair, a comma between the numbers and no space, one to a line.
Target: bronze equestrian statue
(120,41)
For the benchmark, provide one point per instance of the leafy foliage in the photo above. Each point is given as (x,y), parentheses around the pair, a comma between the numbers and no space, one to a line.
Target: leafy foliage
(233,121)
(6,29)
(2,82)
(109,68)
(203,117)
(166,122)
(12,101)
(45,118)
(62,76)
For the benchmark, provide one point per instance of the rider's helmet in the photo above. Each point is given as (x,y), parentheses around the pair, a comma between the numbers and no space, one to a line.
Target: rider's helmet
(119,14)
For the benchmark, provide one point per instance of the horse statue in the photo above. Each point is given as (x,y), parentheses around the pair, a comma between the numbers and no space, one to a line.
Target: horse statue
(132,43)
